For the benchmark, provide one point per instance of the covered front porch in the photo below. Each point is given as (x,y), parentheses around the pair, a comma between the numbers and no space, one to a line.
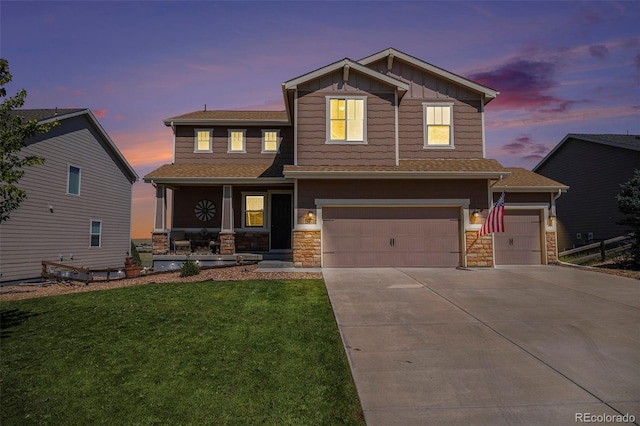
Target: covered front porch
(217,224)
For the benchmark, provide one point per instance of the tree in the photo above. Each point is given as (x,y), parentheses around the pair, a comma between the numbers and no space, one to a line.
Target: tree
(14,132)
(629,204)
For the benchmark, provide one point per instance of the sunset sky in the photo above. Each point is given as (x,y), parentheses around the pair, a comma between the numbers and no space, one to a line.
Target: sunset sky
(560,67)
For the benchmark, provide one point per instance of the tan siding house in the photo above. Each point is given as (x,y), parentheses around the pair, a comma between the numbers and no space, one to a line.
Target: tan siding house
(78,206)
(380,162)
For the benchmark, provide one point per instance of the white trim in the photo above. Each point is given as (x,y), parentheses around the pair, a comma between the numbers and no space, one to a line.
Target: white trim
(425,126)
(345,141)
(278,140)
(69,165)
(295,128)
(244,141)
(173,128)
(195,140)
(91,234)
(484,146)
(265,209)
(392,202)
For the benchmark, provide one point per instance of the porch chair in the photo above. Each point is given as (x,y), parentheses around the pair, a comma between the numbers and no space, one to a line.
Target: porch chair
(179,241)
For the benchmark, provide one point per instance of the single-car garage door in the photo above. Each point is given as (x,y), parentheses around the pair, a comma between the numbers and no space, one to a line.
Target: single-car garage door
(519,244)
(390,236)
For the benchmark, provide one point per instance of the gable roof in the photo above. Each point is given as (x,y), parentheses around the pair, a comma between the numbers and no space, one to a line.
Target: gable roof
(231,117)
(346,64)
(631,142)
(523,180)
(392,53)
(54,114)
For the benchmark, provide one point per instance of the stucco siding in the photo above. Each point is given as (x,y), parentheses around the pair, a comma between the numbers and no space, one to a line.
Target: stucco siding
(34,233)
(594,173)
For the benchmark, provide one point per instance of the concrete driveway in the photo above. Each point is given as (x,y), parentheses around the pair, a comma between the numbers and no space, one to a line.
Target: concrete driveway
(540,345)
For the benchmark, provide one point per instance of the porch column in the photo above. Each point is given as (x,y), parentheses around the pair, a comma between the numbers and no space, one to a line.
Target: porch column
(159,236)
(227,237)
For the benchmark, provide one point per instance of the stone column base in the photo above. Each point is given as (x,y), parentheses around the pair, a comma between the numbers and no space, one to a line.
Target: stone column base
(307,249)
(479,250)
(552,247)
(159,242)
(227,244)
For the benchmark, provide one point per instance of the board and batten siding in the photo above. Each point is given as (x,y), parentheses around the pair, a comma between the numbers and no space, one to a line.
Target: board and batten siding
(34,233)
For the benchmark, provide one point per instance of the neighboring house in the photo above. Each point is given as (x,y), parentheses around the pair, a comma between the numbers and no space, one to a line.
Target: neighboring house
(78,206)
(376,162)
(594,166)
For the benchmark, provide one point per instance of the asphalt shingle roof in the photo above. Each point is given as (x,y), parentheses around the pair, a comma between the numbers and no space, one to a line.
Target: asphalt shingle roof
(232,115)
(44,114)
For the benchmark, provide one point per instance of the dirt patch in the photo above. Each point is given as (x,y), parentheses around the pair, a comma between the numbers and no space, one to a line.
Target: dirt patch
(620,266)
(235,273)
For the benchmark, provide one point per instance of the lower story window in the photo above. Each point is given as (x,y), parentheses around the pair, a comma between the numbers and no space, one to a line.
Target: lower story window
(96,233)
(254,211)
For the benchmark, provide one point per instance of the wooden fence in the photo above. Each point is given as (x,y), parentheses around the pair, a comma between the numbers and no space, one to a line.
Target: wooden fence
(586,253)
(59,271)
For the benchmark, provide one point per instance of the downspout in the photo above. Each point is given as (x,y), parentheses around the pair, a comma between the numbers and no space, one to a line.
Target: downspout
(174,143)
(396,128)
(295,127)
(484,148)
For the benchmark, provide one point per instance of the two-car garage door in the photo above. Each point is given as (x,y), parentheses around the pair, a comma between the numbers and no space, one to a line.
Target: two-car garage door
(390,236)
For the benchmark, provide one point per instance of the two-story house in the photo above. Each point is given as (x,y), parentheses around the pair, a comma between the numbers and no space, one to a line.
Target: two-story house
(78,206)
(376,162)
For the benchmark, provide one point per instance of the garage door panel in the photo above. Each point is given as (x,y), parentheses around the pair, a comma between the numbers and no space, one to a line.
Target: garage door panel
(520,244)
(390,237)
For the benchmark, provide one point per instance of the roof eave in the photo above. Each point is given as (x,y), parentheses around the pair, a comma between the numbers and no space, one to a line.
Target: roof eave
(534,188)
(300,174)
(488,93)
(214,180)
(226,122)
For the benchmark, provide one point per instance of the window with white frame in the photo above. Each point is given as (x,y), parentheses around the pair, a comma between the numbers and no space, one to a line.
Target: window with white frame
(73,180)
(96,233)
(203,140)
(254,207)
(438,125)
(237,140)
(346,119)
(270,140)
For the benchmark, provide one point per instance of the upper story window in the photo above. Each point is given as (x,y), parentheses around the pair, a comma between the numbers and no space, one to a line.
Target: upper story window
(73,181)
(237,140)
(438,125)
(346,119)
(270,140)
(203,140)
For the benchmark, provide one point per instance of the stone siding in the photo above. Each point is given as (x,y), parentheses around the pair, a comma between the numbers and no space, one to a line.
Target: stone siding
(307,249)
(552,247)
(479,250)
(252,241)
(227,244)
(159,243)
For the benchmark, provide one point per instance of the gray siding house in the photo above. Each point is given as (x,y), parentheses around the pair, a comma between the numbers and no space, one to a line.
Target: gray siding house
(594,166)
(78,206)
(375,162)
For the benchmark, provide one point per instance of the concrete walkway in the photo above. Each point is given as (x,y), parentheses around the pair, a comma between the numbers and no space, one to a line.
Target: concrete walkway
(509,346)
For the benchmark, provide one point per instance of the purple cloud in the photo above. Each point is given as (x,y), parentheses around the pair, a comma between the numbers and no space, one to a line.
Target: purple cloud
(525,147)
(523,84)
(599,51)
(636,62)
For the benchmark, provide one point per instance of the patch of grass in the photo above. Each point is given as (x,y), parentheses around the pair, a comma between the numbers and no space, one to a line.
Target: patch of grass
(223,353)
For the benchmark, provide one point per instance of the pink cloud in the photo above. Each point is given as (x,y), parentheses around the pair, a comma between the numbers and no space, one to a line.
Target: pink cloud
(118,116)
(100,113)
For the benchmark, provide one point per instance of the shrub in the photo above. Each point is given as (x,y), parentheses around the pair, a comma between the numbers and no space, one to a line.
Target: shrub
(135,255)
(189,268)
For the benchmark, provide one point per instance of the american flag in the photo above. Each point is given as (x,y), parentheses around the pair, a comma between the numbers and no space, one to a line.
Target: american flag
(495,218)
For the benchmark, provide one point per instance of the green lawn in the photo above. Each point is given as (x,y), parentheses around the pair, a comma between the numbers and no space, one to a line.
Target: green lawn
(253,352)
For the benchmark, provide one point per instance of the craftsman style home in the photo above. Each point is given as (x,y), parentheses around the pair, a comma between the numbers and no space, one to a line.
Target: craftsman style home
(78,205)
(376,162)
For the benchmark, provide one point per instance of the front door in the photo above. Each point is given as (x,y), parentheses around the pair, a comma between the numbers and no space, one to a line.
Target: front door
(280,221)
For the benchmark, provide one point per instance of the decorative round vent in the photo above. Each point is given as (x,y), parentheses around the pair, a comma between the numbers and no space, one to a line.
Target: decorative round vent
(205,210)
